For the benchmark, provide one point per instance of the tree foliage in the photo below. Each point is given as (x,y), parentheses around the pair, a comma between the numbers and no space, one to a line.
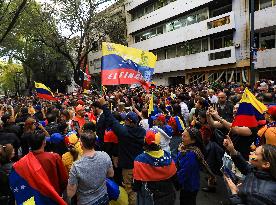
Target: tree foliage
(52,40)
(11,77)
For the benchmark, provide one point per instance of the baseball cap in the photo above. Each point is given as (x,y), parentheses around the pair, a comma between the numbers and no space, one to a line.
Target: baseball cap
(132,116)
(272,110)
(152,137)
(160,117)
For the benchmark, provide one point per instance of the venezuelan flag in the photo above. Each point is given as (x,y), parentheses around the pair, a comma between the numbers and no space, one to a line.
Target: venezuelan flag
(154,166)
(44,92)
(30,184)
(151,108)
(250,111)
(117,194)
(125,65)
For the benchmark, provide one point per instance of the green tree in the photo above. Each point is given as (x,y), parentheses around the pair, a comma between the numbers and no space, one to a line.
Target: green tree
(11,78)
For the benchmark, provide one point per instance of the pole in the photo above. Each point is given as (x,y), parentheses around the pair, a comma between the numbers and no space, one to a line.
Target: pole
(252,45)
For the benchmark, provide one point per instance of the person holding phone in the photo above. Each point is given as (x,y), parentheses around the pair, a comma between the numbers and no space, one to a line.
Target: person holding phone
(259,185)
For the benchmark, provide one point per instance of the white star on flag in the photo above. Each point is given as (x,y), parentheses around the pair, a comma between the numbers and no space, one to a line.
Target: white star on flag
(16,189)
(22,187)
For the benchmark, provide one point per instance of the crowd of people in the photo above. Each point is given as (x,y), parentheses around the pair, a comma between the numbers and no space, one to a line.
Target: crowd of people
(152,144)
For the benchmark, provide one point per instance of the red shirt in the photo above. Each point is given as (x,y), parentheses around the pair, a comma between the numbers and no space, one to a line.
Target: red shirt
(80,120)
(54,169)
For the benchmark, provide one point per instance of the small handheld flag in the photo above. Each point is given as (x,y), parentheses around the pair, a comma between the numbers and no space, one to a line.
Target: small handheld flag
(44,92)
(150,109)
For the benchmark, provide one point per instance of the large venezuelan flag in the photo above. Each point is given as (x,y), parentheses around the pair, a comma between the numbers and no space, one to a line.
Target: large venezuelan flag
(148,167)
(30,184)
(124,65)
(44,92)
(250,112)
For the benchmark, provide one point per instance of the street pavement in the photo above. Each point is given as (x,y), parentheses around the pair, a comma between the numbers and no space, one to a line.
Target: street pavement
(204,198)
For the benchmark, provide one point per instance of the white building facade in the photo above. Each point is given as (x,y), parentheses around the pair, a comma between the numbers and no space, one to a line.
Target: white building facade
(198,40)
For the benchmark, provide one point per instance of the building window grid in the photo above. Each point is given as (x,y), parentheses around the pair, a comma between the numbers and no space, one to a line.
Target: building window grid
(188,48)
(265,37)
(150,8)
(174,24)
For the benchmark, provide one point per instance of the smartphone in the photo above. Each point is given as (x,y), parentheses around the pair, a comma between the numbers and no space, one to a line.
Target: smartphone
(228,173)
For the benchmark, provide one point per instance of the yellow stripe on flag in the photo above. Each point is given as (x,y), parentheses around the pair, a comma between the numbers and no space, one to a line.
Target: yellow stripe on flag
(42,86)
(150,105)
(248,97)
(30,201)
(142,58)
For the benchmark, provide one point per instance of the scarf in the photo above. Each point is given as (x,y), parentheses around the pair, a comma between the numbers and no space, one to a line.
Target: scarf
(200,157)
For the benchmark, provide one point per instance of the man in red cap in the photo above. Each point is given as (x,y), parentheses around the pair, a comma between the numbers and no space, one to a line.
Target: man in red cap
(79,119)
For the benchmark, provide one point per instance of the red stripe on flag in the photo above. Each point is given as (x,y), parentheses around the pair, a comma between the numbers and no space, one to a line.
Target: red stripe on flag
(46,97)
(121,76)
(245,121)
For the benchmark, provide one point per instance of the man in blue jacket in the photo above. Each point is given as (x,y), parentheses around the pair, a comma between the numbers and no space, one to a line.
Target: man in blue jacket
(131,141)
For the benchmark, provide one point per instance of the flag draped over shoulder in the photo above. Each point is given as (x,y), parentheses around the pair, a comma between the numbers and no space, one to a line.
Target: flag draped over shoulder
(30,184)
(125,65)
(250,111)
(154,168)
(44,92)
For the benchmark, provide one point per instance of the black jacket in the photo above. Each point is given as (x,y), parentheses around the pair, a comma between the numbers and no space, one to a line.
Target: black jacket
(131,139)
(100,129)
(258,188)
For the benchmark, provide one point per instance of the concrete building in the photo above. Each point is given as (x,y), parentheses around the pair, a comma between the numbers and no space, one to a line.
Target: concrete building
(197,40)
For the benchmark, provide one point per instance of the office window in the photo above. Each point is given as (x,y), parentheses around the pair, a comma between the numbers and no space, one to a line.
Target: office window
(265,4)
(221,11)
(228,41)
(216,43)
(160,30)
(157,5)
(220,55)
(205,46)
(267,39)
(161,54)
(171,52)
(149,9)
(191,19)
(202,15)
(97,64)
(183,49)
(195,47)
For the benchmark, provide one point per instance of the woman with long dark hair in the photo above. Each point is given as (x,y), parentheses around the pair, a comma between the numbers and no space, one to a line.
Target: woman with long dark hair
(259,185)
(189,160)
